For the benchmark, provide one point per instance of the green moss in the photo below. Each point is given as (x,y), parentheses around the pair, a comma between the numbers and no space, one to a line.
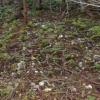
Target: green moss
(4,56)
(4,91)
(50,27)
(83,22)
(95,29)
(96,38)
(23,37)
(97,66)
(91,98)
(72,63)
(5,39)
(79,22)
(44,42)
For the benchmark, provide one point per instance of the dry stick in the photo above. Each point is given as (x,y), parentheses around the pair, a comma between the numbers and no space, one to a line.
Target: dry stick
(25,11)
(84,3)
(91,81)
(66,11)
(50,6)
(96,95)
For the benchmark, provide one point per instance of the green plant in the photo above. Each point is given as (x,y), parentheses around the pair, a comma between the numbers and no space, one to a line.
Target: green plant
(97,66)
(80,22)
(5,38)
(95,29)
(91,98)
(5,91)
(4,56)
(51,4)
(6,13)
(96,38)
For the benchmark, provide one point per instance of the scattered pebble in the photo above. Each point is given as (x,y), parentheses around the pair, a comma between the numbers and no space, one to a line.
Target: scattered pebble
(73,89)
(21,65)
(24,48)
(47,89)
(36,71)
(66,77)
(42,83)
(13,74)
(43,26)
(60,36)
(41,72)
(80,64)
(73,42)
(34,86)
(30,50)
(28,32)
(89,86)
(33,64)
(96,57)
(28,72)
(33,58)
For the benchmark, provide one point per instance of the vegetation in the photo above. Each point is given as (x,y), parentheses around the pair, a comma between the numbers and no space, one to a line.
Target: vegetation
(49,50)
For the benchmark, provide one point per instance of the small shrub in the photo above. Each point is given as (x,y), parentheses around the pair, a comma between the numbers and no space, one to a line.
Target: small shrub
(97,66)
(80,22)
(91,98)
(96,29)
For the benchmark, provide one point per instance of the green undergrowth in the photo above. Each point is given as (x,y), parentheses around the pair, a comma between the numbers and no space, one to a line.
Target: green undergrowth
(81,22)
(4,56)
(47,31)
(97,66)
(96,31)
(84,25)
(5,91)
(91,97)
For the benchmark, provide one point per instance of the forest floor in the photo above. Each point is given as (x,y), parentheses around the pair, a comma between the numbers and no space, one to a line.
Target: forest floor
(50,59)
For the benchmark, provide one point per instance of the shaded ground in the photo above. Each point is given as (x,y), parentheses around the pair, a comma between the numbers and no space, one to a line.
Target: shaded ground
(50,59)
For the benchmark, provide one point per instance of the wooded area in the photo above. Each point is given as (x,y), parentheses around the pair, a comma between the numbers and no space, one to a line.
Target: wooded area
(22,7)
(49,49)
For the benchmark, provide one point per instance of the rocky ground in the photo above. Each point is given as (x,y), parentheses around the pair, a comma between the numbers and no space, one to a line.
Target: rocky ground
(50,59)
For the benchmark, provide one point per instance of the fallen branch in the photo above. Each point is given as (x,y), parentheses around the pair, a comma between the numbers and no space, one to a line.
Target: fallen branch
(84,3)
